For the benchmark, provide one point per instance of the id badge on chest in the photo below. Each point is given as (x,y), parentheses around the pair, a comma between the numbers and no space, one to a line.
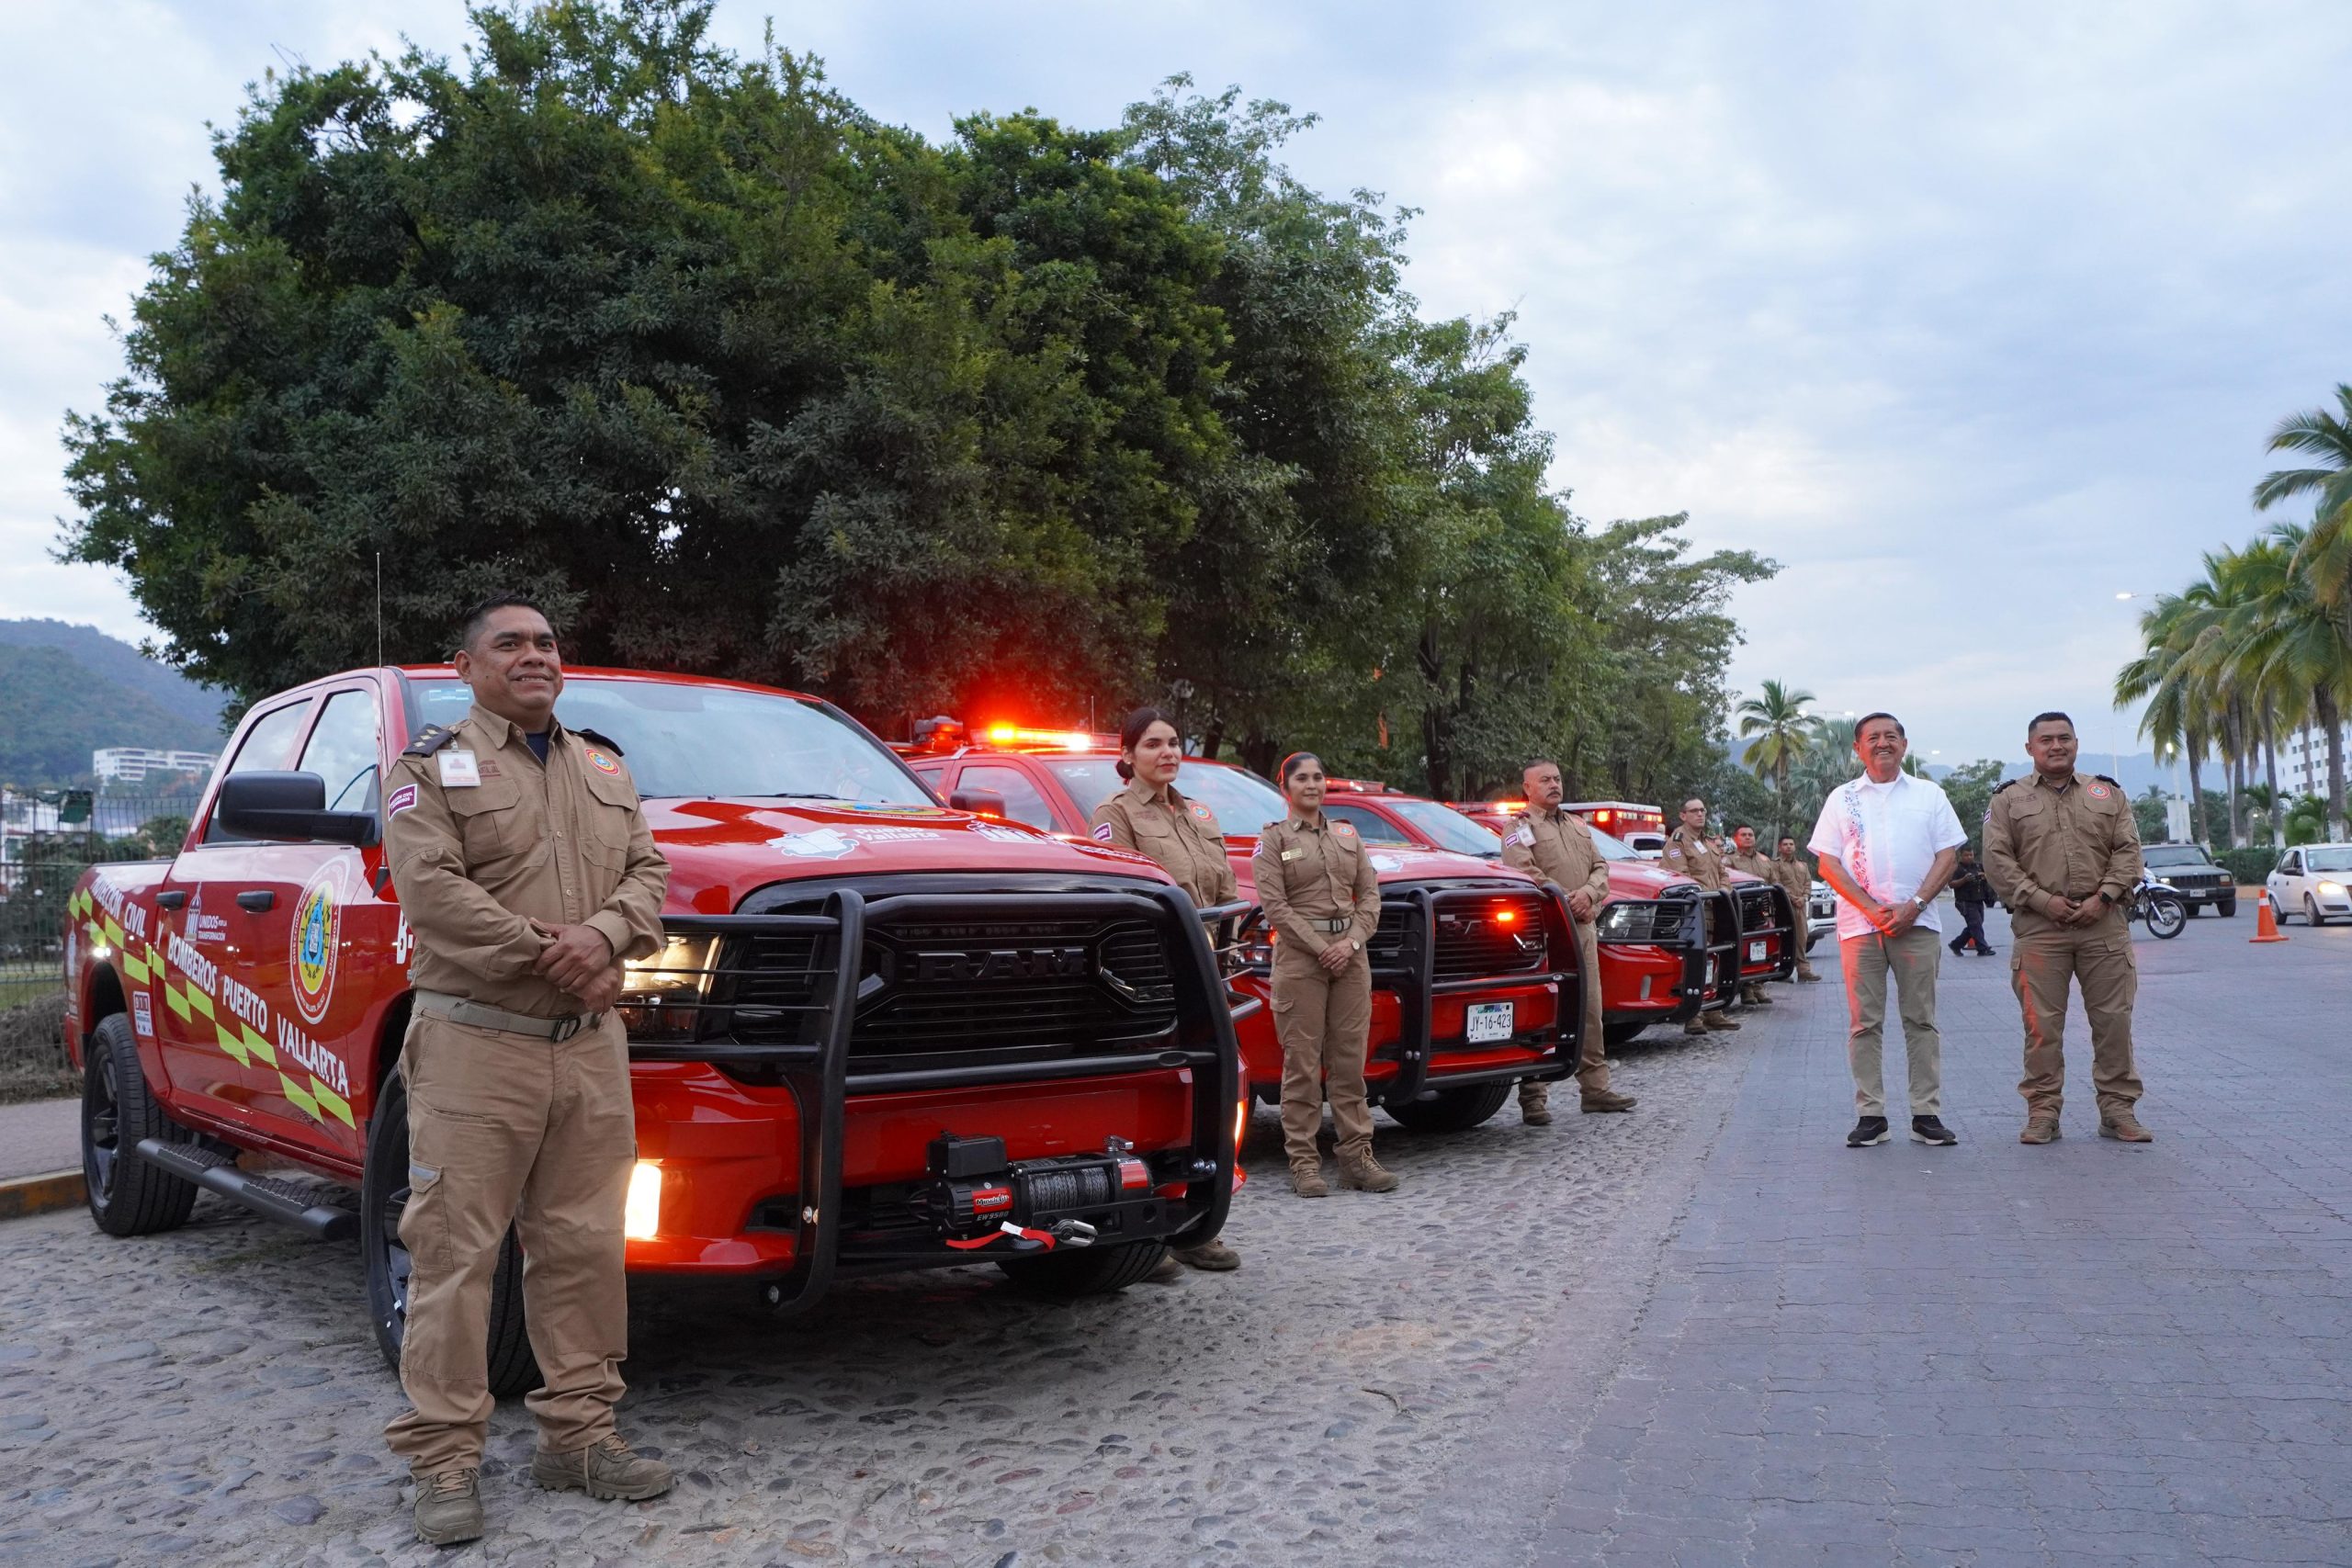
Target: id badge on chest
(458,769)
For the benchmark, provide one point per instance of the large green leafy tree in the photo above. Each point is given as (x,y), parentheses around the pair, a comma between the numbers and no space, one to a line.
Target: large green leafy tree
(732,376)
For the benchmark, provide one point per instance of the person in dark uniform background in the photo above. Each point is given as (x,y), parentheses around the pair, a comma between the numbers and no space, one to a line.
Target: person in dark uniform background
(1969,893)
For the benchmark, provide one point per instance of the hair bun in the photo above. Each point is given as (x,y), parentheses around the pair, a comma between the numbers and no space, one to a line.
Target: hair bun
(1125,771)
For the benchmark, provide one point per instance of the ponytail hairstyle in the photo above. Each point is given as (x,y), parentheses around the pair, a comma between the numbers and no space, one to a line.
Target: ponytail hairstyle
(1292,763)
(1131,734)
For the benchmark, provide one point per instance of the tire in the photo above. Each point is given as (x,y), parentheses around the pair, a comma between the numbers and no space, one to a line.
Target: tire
(2165,915)
(2228,907)
(2192,911)
(1068,1274)
(127,1195)
(1454,1109)
(2312,917)
(383,1192)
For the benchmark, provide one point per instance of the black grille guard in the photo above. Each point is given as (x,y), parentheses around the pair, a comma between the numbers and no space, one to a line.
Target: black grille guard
(817,1071)
(1780,918)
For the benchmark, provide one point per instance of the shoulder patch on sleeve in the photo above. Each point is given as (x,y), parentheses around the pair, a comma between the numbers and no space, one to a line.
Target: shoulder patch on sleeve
(1103,832)
(429,739)
(2010,783)
(2105,780)
(606,742)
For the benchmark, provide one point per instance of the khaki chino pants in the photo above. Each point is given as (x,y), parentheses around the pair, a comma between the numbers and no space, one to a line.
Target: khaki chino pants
(2044,957)
(1913,959)
(504,1129)
(1324,1022)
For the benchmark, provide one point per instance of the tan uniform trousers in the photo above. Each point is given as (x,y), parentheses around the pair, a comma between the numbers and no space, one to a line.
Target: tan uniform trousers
(1592,1053)
(2041,964)
(506,1129)
(1324,1022)
(1912,958)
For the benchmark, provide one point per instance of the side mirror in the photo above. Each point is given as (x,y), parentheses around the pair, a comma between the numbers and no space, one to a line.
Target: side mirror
(289,805)
(979,802)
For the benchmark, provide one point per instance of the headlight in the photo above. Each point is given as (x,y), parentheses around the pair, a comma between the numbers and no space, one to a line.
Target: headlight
(676,974)
(2332,889)
(641,1214)
(1635,922)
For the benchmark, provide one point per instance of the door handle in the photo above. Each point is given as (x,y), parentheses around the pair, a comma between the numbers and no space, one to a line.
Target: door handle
(257,900)
(171,898)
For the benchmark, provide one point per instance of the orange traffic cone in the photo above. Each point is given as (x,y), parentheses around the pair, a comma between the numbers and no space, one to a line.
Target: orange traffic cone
(2266,924)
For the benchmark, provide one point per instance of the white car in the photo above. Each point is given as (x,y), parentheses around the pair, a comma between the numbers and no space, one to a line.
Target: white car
(1821,914)
(2314,882)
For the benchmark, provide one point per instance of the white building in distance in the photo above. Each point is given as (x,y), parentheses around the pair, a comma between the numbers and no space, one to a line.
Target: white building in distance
(135,764)
(2303,761)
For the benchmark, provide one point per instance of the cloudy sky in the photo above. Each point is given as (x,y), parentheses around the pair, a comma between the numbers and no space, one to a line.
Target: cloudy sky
(1973,316)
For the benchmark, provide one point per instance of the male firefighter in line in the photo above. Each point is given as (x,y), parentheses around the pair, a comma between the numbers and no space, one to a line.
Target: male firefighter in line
(1744,857)
(1794,873)
(1688,853)
(526,869)
(2062,852)
(1556,847)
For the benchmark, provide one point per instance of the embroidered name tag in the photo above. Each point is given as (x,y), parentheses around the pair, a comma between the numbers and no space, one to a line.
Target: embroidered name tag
(1292,855)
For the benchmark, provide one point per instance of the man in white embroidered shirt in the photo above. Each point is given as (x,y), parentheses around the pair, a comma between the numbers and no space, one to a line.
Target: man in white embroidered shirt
(1887,843)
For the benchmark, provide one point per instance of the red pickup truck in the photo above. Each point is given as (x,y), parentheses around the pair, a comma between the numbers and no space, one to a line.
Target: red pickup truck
(1469,965)
(882,1033)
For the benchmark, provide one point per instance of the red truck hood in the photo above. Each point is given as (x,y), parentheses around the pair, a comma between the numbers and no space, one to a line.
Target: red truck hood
(1392,863)
(719,850)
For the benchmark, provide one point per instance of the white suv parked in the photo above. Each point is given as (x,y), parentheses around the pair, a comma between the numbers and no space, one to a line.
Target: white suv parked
(2314,882)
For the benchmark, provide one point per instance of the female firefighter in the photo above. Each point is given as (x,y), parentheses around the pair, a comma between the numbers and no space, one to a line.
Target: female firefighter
(1152,818)
(1322,897)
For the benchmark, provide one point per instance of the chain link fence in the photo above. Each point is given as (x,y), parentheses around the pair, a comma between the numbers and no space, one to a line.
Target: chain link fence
(50,840)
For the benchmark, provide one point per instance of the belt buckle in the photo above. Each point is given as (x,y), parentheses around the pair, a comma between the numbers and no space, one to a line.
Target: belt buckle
(566,1028)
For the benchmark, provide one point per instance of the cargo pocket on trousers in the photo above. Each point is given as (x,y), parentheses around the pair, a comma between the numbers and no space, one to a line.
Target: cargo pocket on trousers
(423,1230)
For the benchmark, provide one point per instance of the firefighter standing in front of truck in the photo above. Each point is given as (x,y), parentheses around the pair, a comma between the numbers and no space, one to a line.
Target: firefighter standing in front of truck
(1557,848)
(525,870)
(1688,853)
(1152,818)
(1322,897)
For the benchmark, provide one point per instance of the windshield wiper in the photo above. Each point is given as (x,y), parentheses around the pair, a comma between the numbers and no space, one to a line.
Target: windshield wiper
(795,795)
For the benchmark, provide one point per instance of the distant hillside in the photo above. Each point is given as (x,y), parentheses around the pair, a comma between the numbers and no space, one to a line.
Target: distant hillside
(119,664)
(55,710)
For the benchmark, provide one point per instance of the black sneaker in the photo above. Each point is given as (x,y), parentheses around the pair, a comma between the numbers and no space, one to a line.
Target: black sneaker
(1955,944)
(1931,1130)
(1868,1131)
(1987,952)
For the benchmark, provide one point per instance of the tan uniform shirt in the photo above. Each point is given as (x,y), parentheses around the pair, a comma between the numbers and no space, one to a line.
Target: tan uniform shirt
(1688,855)
(2074,839)
(1754,863)
(1556,846)
(475,865)
(1795,875)
(1315,872)
(1182,835)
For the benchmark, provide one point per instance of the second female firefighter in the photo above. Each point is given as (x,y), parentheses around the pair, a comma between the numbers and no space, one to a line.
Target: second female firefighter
(1322,895)
(1152,818)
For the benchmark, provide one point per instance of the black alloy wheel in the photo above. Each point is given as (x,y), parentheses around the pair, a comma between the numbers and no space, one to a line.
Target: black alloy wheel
(127,1196)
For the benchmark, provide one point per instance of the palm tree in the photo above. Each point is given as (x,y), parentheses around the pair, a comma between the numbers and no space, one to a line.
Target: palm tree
(1779,723)
(2167,674)
(2296,642)
(2325,553)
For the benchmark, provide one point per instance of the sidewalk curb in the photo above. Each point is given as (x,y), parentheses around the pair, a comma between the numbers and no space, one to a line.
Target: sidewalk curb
(24,1195)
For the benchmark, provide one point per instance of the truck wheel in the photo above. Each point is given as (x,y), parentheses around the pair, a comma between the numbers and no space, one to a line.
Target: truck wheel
(2229,907)
(2193,909)
(383,1193)
(128,1196)
(1452,1109)
(1616,1034)
(1069,1273)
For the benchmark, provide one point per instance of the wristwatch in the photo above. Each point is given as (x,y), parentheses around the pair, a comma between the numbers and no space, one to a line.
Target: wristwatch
(1918,904)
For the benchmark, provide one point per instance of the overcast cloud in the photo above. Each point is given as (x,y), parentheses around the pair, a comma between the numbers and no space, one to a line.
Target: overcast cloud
(1972,316)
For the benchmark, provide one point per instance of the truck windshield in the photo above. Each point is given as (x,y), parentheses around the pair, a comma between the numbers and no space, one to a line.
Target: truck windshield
(1243,802)
(704,742)
(1448,828)
(1614,848)
(2177,854)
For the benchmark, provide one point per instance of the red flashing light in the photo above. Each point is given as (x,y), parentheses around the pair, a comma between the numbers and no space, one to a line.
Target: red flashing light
(1058,739)
(1506,917)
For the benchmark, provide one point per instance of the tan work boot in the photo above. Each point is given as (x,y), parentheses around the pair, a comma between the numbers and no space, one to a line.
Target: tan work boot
(1608,1099)
(1535,1104)
(2040,1128)
(1807,977)
(449,1507)
(1213,1255)
(2124,1126)
(1167,1271)
(1754,996)
(1717,1021)
(1306,1180)
(1364,1174)
(606,1469)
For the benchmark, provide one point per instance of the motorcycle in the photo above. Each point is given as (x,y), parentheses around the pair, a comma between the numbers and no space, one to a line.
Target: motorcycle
(2159,904)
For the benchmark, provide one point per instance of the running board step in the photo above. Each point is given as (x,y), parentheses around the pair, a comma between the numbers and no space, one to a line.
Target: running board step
(295,1204)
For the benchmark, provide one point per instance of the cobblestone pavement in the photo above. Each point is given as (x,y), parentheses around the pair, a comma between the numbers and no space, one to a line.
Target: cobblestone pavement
(213,1394)
(1987,1354)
